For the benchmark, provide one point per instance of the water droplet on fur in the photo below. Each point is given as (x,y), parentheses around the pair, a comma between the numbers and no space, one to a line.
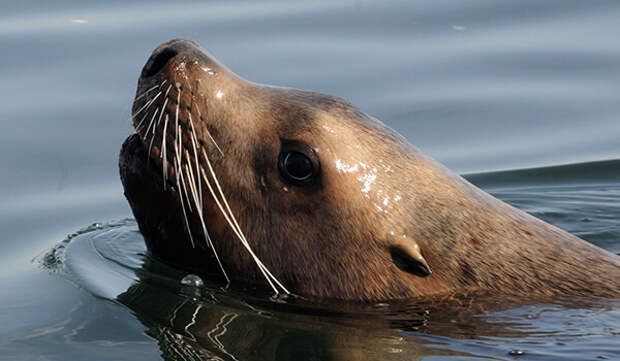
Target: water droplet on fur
(209,70)
(192,280)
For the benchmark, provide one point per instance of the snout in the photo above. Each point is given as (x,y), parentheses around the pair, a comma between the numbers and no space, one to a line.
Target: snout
(166,52)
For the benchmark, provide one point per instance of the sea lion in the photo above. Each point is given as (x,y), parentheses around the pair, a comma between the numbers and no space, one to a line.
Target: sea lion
(305,193)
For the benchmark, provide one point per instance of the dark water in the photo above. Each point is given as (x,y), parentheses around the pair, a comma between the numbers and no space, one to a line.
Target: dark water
(481,86)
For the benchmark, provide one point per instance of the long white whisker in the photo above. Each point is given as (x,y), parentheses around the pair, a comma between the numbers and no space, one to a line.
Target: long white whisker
(164,162)
(217,183)
(213,140)
(268,275)
(208,238)
(192,181)
(180,156)
(179,171)
(236,231)
(153,136)
(176,115)
(199,210)
(151,122)
(137,127)
(209,134)
(146,105)
(193,137)
(163,105)
(147,91)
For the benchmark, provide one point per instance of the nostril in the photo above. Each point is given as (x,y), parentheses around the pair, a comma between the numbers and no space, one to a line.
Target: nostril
(157,62)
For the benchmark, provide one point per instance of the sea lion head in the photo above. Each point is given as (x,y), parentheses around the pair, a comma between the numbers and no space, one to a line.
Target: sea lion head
(305,193)
(311,185)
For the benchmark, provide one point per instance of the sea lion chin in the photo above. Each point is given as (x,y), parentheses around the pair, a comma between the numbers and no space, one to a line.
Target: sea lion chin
(305,193)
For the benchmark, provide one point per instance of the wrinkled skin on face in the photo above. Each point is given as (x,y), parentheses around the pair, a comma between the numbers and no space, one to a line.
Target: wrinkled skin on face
(377,220)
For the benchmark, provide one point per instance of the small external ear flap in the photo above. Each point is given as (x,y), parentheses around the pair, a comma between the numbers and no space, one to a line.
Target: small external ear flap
(407,256)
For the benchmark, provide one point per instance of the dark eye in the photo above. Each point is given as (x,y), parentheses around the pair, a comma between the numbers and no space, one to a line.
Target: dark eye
(298,164)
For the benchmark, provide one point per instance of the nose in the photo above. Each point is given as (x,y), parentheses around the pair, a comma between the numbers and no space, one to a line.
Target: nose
(163,54)
(157,61)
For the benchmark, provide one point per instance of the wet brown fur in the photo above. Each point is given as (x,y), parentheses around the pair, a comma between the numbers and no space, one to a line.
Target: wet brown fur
(333,239)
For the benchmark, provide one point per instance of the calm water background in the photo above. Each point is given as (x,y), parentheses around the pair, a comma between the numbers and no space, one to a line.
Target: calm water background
(481,86)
